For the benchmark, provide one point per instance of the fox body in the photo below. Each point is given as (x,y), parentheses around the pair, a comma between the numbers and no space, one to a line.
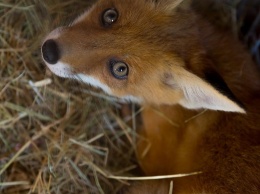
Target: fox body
(164,55)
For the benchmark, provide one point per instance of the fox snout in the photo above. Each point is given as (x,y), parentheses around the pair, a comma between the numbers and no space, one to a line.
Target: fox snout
(51,52)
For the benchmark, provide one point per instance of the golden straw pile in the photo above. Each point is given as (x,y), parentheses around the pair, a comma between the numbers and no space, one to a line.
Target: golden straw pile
(55,137)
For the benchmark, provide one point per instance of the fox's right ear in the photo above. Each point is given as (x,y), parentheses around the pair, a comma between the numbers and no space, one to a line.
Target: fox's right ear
(210,92)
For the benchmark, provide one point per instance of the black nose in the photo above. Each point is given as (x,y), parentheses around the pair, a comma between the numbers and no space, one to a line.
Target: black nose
(50,52)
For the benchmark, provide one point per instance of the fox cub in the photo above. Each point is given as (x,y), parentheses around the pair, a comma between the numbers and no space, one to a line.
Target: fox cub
(165,56)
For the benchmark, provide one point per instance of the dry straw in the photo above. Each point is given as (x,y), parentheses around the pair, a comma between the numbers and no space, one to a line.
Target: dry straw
(54,135)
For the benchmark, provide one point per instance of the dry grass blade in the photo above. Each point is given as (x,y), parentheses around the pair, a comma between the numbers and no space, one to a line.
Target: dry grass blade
(152,177)
(171,187)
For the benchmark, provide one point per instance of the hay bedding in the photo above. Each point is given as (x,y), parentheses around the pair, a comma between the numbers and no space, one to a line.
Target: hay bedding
(57,136)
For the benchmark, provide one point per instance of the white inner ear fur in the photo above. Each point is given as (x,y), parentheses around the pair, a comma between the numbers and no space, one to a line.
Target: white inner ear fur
(82,16)
(171,5)
(199,94)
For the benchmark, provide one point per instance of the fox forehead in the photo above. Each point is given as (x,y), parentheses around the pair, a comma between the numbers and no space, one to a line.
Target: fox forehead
(142,36)
(142,22)
(125,7)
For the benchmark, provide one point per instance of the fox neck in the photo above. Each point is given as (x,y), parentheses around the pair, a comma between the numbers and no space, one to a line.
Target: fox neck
(231,60)
(186,127)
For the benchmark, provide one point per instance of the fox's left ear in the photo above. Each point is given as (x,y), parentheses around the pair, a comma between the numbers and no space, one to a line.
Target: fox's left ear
(171,5)
(208,92)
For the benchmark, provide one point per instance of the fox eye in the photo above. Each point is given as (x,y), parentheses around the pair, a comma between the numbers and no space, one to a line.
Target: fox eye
(119,69)
(109,16)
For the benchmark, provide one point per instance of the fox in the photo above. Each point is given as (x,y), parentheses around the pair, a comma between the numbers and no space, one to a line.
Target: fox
(197,84)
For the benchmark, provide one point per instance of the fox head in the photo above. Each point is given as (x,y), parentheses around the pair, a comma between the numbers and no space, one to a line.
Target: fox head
(147,51)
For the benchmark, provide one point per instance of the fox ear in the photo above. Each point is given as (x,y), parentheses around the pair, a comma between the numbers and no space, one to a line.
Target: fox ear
(211,92)
(172,4)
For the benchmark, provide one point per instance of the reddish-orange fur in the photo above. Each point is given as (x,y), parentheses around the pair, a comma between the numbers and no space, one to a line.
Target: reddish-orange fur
(156,41)
(224,146)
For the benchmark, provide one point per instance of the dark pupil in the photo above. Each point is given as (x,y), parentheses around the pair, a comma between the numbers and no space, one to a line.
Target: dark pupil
(121,69)
(111,16)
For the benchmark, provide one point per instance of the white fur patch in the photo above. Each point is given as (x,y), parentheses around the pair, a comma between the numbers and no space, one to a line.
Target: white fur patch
(93,81)
(61,69)
(130,98)
(54,34)
(81,17)
(199,94)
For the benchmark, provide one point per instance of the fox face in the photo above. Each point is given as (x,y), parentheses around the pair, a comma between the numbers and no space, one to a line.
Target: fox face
(145,51)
